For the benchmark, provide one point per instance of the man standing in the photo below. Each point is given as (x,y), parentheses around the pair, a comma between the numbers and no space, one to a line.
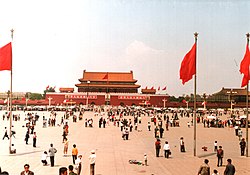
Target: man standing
(242,146)
(205,168)
(161,131)
(34,139)
(220,154)
(230,169)
(182,146)
(92,159)
(74,153)
(26,170)
(79,164)
(52,152)
(166,149)
(157,147)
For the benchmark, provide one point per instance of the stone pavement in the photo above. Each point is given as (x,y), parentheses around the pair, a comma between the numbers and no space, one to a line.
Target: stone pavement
(113,153)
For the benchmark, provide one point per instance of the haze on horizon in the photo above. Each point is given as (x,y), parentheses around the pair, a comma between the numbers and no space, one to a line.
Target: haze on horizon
(54,41)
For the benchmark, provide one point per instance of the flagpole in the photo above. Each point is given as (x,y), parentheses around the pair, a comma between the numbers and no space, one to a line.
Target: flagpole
(12,31)
(247,105)
(194,119)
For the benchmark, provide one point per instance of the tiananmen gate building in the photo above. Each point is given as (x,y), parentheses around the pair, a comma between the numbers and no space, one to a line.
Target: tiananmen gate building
(108,88)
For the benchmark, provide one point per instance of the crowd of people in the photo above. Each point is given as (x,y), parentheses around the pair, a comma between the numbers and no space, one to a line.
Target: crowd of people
(159,123)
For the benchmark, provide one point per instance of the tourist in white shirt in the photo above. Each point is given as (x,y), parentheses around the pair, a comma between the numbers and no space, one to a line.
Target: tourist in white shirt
(44,158)
(92,159)
(79,164)
(166,149)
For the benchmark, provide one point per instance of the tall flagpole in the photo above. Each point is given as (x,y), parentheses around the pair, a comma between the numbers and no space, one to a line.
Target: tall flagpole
(12,31)
(247,105)
(194,119)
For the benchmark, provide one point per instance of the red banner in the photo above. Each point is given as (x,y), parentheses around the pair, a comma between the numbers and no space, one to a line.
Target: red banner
(81,96)
(123,97)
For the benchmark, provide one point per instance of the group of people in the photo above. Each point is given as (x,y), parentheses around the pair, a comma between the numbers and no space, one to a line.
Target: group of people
(205,168)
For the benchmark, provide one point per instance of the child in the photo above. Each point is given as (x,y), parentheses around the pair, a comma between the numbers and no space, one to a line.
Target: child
(215,146)
(145,159)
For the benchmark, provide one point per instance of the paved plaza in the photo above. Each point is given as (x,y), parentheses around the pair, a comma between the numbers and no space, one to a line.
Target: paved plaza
(113,153)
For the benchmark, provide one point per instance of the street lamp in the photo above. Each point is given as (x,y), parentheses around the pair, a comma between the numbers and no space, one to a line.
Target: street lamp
(87,100)
(230,95)
(50,100)
(205,100)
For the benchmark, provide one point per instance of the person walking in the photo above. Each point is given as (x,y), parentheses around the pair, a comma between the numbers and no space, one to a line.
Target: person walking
(242,146)
(166,149)
(52,152)
(27,136)
(34,139)
(65,146)
(157,147)
(149,126)
(26,170)
(92,159)
(204,168)
(161,132)
(79,164)
(74,153)
(230,169)
(6,134)
(220,154)
(182,146)
(215,146)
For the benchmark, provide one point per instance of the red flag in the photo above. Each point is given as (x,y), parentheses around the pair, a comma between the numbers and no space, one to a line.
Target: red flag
(6,57)
(146,87)
(188,66)
(47,87)
(152,88)
(244,67)
(165,88)
(159,88)
(105,77)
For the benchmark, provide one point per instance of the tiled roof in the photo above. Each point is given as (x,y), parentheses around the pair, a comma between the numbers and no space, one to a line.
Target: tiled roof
(108,85)
(232,91)
(66,89)
(108,76)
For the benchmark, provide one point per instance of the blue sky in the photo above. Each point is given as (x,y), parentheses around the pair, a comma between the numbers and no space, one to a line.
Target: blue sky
(54,41)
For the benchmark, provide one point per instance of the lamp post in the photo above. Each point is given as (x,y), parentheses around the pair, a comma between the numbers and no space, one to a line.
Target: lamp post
(164,102)
(87,100)
(205,100)
(230,94)
(26,102)
(50,100)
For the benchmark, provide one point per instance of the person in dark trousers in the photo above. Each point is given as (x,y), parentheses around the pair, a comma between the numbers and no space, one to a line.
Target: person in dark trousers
(52,152)
(157,147)
(220,154)
(182,145)
(242,146)
(27,136)
(5,133)
(230,169)
(34,139)
(74,153)
(161,131)
(104,123)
